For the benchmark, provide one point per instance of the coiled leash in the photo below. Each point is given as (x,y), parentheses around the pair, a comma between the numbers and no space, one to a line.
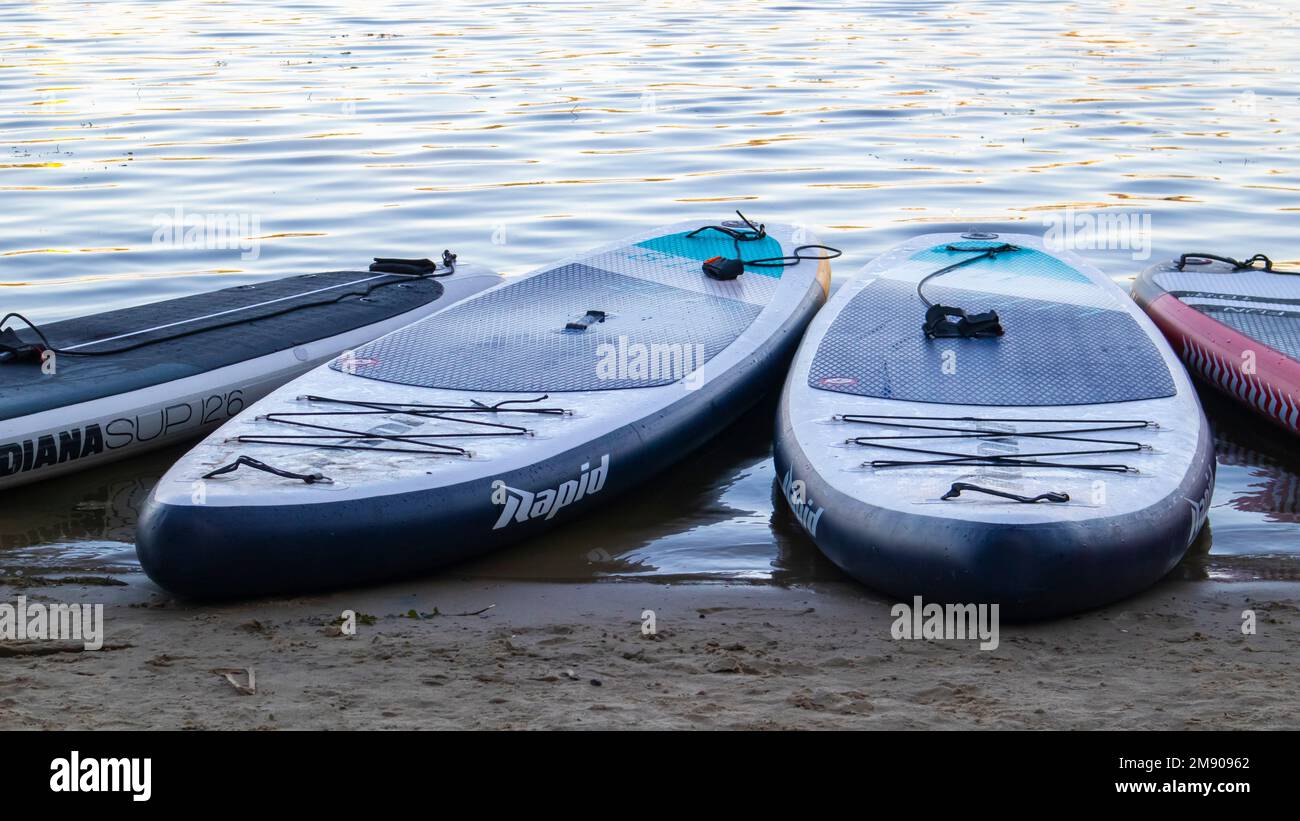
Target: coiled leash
(946,322)
(726,268)
(14,349)
(415,267)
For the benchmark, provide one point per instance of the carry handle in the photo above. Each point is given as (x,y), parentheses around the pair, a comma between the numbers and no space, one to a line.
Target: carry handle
(589,319)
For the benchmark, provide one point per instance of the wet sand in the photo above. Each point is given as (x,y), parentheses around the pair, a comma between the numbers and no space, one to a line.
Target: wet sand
(725,655)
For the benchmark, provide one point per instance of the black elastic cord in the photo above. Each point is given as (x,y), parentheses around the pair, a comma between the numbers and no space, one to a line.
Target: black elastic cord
(758,232)
(1237,264)
(795,258)
(28,323)
(338,438)
(12,346)
(405,277)
(986,253)
(958,487)
(949,458)
(248,461)
(755,232)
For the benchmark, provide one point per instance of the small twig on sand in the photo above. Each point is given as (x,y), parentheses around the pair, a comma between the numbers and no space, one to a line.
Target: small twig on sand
(230,673)
(49,648)
(475,613)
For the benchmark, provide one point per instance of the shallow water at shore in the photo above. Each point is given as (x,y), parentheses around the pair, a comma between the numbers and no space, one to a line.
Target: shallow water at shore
(517,135)
(717,516)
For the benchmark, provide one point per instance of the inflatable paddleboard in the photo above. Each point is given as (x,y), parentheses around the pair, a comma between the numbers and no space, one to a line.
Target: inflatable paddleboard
(1235,324)
(1044,452)
(489,422)
(85,391)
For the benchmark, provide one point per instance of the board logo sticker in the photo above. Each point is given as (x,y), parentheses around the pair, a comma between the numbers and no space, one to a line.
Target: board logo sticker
(51,449)
(521,505)
(349,364)
(837,381)
(805,511)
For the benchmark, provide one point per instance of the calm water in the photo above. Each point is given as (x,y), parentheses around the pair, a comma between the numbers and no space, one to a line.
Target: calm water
(327,133)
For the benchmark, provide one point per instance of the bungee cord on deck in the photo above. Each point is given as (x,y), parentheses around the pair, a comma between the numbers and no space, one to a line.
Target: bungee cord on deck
(950,458)
(342,438)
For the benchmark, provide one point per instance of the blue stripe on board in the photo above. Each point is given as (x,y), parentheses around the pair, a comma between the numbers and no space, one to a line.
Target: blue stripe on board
(1025,262)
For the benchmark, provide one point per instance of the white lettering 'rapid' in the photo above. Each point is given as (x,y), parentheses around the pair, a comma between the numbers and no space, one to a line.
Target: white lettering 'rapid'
(522,505)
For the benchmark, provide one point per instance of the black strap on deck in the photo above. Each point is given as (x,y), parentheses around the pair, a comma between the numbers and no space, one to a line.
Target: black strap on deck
(958,487)
(248,461)
(946,322)
(588,319)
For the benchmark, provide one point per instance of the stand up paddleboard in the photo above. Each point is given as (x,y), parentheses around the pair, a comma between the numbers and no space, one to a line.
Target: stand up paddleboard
(1236,324)
(82,392)
(490,422)
(975,420)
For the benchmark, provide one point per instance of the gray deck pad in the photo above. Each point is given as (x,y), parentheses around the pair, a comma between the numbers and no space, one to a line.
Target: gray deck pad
(1262,305)
(1052,354)
(513,339)
(1280,330)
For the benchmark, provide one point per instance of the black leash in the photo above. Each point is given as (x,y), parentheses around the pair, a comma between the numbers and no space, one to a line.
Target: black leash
(946,322)
(725,268)
(13,349)
(415,267)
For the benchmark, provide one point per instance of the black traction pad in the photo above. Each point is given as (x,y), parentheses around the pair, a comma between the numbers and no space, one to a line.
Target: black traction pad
(1052,354)
(514,338)
(24,389)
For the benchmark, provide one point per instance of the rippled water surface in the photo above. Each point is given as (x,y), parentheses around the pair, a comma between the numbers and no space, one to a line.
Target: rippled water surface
(514,135)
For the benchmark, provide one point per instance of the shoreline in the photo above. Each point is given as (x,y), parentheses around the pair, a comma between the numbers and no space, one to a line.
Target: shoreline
(725,655)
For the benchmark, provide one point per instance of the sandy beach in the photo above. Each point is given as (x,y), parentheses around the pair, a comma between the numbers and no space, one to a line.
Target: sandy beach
(742,656)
